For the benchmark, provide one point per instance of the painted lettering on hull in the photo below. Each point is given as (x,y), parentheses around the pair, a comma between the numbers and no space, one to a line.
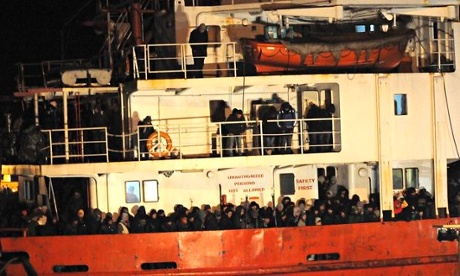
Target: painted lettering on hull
(305,180)
(253,190)
(305,188)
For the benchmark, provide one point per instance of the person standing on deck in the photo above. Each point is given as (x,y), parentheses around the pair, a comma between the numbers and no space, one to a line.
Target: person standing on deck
(145,130)
(286,117)
(199,51)
(234,129)
(271,130)
(314,127)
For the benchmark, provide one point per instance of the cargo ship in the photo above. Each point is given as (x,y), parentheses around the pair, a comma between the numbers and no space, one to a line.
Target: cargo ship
(141,125)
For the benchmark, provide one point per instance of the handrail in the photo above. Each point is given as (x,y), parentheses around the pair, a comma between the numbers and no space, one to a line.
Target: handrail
(184,140)
(48,73)
(176,58)
(84,143)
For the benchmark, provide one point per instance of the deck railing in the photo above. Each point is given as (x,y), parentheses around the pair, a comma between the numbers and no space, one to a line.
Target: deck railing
(176,61)
(183,140)
(76,145)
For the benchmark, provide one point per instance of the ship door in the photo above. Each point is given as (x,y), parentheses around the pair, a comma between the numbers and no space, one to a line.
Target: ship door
(67,195)
(319,106)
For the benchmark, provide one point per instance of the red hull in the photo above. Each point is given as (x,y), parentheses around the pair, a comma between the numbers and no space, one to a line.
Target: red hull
(360,51)
(378,248)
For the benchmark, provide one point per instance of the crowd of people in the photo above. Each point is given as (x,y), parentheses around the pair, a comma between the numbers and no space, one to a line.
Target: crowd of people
(334,206)
(24,140)
(277,126)
(320,126)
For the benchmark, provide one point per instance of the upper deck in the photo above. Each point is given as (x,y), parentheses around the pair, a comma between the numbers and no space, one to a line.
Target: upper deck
(155,77)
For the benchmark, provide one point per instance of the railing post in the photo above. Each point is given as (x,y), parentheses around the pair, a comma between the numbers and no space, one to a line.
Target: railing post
(234,60)
(50,137)
(302,139)
(221,141)
(106,145)
(180,142)
(261,137)
(145,61)
(138,145)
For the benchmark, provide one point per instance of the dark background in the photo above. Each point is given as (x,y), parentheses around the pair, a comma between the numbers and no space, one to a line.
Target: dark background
(36,30)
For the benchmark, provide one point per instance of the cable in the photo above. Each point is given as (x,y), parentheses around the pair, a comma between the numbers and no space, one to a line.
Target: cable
(450,117)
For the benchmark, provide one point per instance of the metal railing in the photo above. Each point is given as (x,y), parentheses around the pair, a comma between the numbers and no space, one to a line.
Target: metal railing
(176,59)
(186,140)
(48,73)
(76,145)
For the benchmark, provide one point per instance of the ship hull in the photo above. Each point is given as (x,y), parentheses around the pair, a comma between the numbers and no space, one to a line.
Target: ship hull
(399,247)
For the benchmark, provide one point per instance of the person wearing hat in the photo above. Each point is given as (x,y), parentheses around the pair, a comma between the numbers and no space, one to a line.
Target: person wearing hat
(198,40)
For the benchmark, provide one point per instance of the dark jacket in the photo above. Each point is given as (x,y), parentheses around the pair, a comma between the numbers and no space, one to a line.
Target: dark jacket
(199,37)
(234,124)
(270,127)
(286,113)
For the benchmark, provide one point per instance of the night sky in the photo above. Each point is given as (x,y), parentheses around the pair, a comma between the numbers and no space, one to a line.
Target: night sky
(31,32)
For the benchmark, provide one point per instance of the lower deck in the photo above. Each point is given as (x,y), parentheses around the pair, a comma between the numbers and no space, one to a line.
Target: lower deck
(379,248)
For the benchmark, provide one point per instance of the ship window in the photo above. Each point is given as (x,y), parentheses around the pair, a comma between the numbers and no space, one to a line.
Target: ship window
(287,184)
(219,110)
(70,268)
(159,265)
(271,32)
(132,192)
(323,257)
(321,171)
(400,102)
(331,171)
(397,179)
(360,28)
(412,175)
(214,35)
(150,190)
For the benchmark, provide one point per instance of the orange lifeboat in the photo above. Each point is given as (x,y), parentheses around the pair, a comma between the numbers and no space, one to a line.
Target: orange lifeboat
(372,52)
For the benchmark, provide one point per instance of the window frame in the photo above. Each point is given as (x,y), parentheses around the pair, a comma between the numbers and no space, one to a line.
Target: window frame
(146,190)
(137,191)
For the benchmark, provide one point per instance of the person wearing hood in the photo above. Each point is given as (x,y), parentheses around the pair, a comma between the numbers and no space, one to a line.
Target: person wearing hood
(94,222)
(145,130)
(123,221)
(287,121)
(239,217)
(152,224)
(138,223)
(234,128)
(108,226)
